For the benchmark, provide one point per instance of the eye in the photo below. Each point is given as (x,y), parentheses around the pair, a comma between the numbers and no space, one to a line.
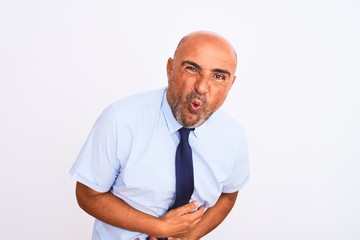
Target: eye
(219,77)
(191,69)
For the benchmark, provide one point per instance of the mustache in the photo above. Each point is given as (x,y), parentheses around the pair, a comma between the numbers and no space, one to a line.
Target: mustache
(191,96)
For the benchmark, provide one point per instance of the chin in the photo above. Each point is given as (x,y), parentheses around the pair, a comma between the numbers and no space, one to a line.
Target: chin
(192,123)
(191,120)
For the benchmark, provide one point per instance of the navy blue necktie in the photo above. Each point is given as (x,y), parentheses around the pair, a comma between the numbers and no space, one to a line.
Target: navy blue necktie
(184,171)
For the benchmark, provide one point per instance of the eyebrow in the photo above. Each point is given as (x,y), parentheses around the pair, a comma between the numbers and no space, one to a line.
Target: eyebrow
(222,71)
(219,70)
(191,63)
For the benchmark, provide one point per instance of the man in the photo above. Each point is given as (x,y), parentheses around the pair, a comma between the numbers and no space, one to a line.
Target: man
(125,172)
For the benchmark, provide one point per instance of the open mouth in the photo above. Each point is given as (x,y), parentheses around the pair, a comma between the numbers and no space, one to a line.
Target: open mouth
(195,104)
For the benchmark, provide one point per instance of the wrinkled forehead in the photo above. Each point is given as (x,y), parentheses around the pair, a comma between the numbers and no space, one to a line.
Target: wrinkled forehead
(209,49)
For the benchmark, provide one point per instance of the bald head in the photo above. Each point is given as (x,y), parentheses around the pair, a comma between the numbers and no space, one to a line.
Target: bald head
(203,38)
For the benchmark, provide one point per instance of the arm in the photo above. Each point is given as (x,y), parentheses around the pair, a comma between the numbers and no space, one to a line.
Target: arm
(212,217)
(114,211)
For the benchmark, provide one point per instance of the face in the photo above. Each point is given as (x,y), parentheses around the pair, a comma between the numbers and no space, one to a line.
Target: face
(200,77)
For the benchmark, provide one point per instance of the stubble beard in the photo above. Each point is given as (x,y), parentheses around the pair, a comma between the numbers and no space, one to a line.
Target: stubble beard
(184,114)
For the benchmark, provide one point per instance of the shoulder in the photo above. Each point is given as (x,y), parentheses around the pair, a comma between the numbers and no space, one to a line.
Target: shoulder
(140,104)
(139,100)
(136,112)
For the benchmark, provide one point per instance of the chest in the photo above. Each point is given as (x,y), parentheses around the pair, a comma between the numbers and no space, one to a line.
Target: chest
(149,169)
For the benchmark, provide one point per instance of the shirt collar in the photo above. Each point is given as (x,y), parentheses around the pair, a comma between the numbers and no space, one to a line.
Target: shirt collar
(172,124)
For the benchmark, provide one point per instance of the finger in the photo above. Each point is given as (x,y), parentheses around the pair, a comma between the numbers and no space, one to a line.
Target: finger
(153,238)
(195,217)
(201,209)
(198,213)
(188,208)
(195,204)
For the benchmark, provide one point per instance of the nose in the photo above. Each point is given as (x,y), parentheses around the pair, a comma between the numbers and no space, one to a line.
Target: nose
(201,85)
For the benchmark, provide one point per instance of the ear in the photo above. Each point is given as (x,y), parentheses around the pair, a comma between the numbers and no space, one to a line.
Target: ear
(169,67)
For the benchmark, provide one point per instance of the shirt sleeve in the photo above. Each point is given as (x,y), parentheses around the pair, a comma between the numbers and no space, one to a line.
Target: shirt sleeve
(97,165)
(240,173)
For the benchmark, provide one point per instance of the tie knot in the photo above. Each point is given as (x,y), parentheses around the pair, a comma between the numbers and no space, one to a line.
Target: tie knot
(184,133)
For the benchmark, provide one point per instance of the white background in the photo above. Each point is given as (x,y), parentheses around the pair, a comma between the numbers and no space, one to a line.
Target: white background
(297,96)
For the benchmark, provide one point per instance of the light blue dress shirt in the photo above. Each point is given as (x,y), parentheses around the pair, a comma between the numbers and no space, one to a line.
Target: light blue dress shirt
(131,152)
